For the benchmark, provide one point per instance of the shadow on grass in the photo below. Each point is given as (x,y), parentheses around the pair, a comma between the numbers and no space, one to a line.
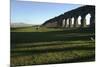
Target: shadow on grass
(39,51)
(32,37)
(49,44)
(29,37)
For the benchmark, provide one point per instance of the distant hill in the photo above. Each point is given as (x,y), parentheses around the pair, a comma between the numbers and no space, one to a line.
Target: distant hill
(20,25)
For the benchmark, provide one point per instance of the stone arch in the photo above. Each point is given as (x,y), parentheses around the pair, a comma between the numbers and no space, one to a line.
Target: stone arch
(63,23)
(72,21)
(88,16)
(68,21)
(79,20)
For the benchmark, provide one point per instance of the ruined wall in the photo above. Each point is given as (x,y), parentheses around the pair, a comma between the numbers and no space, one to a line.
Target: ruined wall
(61,20)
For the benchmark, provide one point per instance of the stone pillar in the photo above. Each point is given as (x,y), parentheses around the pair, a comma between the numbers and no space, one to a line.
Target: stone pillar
(66,23)
(83,21)
(76,22)
(63,22)
(92,20)
(70,22)
(58,22)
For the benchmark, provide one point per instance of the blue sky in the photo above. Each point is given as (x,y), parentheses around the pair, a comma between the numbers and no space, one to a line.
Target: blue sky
(37,12)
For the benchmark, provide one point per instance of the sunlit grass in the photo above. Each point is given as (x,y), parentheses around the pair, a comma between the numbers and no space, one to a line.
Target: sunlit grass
(51,45)
(52,57)
(33,29)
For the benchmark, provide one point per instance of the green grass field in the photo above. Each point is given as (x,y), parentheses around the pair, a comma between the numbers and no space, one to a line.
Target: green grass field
(51,45)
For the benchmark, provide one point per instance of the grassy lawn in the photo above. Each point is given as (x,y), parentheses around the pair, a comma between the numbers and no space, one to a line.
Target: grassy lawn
(51,45)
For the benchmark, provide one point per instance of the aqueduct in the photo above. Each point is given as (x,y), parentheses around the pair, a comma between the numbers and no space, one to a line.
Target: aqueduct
(65,20)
